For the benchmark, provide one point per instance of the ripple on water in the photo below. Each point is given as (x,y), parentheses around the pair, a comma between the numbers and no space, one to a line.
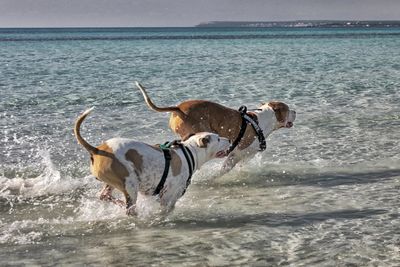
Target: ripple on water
(324,193)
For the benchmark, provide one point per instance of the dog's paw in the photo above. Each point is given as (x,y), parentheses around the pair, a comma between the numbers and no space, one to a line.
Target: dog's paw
(106,197)
(118,202)
(131,211)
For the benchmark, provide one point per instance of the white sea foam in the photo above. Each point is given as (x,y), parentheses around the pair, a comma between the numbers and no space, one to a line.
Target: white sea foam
(93,209)
(49,181)
(14,233)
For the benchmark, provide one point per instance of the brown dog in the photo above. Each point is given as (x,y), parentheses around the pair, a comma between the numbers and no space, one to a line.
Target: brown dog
(193,116)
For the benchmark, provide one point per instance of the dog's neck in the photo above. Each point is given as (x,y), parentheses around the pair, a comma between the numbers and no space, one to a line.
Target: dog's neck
(199,155)
(267,121)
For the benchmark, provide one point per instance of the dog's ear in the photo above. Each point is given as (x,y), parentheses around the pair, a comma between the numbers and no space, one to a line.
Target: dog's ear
(203,142)
(280,109)
(186,137)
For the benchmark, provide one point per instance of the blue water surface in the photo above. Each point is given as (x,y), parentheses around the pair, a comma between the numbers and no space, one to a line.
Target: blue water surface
(324,193)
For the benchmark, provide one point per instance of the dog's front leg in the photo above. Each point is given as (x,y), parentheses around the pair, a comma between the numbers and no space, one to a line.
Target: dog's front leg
(229,163)
(165,210)
(235,157)
(167,203)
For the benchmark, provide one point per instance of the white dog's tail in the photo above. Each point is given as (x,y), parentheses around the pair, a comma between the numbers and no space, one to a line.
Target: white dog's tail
(92,150)
(154,107)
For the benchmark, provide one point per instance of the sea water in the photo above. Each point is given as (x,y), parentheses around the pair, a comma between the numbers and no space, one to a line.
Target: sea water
(324,193)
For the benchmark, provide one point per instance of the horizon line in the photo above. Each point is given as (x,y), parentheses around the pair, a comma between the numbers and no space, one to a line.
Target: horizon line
(201,23)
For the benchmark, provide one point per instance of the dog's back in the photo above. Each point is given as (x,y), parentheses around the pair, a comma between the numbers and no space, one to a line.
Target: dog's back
(204,116)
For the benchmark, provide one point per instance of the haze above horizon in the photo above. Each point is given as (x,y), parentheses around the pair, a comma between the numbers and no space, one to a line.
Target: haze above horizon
(160,13)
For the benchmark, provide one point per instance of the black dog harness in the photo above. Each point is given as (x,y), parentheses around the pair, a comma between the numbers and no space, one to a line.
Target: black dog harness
(247,119)
(167,156)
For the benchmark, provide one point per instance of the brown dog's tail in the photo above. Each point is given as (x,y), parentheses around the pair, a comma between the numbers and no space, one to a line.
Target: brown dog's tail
(92,150)
(154,107)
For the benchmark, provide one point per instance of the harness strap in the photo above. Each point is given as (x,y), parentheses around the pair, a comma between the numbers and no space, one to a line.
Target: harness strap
(191,157)
(243,126)
(245,120)
(191,164)
(167,156)
(259,131)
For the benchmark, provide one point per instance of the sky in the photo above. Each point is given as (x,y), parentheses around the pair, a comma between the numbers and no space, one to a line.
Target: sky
(167,13)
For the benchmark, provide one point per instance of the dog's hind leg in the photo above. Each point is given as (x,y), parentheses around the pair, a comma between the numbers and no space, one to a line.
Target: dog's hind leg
(106,195)
(131,193)
(130,206)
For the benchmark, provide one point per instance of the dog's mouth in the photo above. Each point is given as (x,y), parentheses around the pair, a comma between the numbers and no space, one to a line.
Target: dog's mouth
(289,124)
(221,154)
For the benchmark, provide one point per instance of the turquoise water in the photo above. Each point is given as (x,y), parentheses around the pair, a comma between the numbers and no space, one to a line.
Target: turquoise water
(323,193)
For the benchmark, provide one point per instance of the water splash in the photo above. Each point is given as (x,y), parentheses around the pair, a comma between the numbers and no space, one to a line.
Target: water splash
(49,181)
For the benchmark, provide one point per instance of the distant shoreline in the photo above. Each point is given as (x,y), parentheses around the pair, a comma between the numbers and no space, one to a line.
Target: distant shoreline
(303,24)
(243,24)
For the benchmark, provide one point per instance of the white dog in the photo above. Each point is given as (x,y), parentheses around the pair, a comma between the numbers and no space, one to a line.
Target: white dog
(133,167)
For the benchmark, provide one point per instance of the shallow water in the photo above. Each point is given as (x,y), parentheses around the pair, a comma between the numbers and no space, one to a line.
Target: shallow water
(324,193)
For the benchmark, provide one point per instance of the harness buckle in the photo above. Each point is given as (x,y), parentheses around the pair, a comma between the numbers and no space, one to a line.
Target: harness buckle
(243,110)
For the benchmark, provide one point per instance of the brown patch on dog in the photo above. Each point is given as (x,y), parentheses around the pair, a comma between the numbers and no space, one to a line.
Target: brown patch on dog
(137,159)
(107,168)
(281,110)
(176,163)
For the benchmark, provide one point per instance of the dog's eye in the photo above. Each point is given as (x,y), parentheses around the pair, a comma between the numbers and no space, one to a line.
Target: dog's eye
(219,139)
